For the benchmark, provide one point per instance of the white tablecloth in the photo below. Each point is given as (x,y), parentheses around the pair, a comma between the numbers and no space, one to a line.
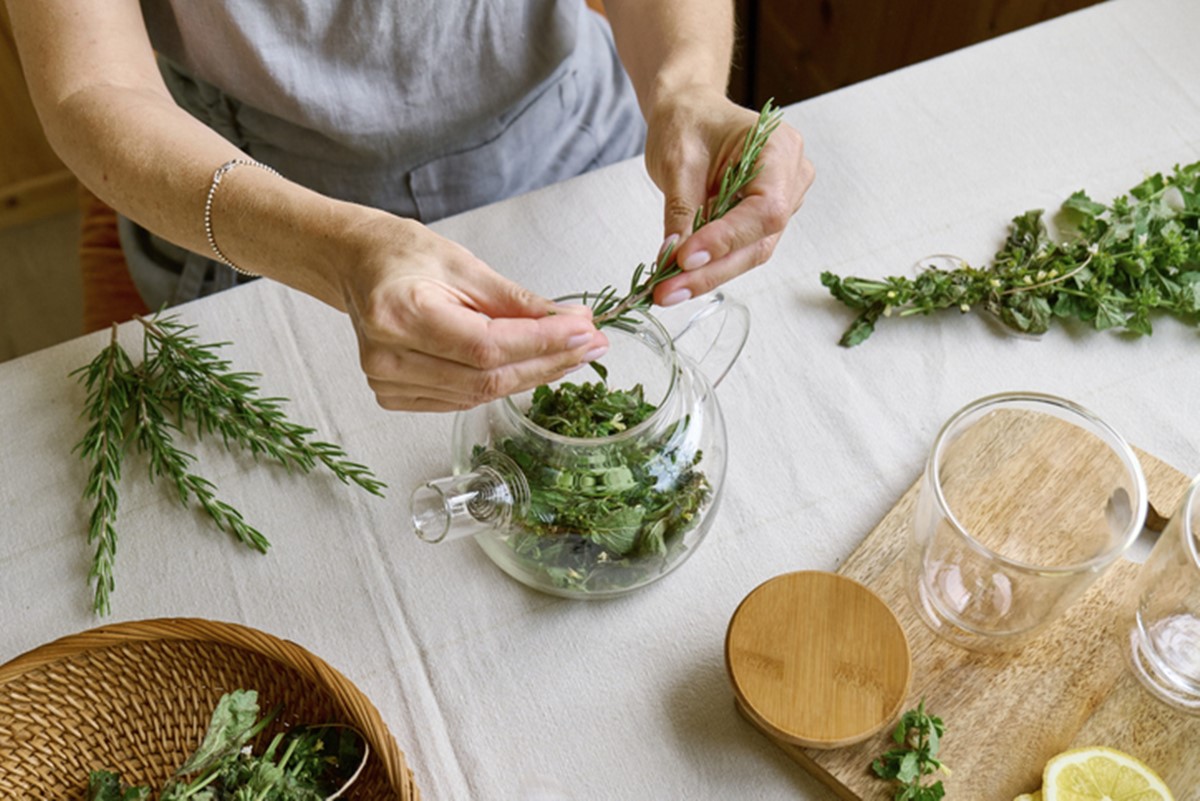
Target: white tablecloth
(492,689)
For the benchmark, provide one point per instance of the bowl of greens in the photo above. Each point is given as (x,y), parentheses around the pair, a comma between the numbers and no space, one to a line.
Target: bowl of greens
(189,708)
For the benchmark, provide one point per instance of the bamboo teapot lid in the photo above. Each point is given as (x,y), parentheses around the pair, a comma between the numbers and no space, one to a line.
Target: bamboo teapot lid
(817,660)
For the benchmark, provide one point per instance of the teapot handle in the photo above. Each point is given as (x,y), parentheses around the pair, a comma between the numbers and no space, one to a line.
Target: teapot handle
(710,330)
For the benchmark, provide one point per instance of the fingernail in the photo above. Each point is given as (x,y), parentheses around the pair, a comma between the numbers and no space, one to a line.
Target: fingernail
(572,308)
(670,242)
(676,297)
(595,353)
(696,260)
(578,341)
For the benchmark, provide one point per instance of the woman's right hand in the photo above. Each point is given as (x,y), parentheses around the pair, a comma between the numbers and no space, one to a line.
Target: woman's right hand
(439,330)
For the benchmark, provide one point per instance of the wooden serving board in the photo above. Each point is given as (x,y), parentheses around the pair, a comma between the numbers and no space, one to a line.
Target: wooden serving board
(1006,714)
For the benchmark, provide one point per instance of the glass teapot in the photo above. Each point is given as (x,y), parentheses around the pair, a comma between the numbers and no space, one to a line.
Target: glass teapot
(600,516)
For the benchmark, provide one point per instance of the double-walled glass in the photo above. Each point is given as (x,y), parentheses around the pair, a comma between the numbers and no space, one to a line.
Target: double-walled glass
(1161,625)
(1026,498)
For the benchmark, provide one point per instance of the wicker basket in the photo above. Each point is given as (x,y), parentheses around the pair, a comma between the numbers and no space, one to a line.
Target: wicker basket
(137,697)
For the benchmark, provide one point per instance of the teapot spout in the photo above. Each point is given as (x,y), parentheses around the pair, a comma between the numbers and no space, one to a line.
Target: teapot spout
(483,500)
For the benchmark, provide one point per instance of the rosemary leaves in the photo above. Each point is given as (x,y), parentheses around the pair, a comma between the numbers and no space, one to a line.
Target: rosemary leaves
(607,307)
(148,405)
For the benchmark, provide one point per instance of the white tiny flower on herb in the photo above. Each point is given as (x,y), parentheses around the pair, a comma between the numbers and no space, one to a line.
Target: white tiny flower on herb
(1173,199)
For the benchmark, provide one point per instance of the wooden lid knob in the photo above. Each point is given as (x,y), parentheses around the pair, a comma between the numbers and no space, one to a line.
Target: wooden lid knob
(817,660)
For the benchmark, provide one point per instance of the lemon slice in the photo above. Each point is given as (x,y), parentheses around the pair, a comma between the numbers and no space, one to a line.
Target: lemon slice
(1036,795)
(1101,774)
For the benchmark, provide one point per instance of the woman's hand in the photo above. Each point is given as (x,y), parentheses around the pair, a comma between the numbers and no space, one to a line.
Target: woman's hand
(691,139)
(439,330)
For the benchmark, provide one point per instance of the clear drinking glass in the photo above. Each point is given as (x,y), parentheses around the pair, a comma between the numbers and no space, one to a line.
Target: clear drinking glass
(1026,498)
(1162,617)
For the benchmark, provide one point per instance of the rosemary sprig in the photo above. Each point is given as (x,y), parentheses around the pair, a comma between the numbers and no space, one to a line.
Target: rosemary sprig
(181,380)
(108,386)
(218,399)
(607,307)
(152,432)
(1115,266)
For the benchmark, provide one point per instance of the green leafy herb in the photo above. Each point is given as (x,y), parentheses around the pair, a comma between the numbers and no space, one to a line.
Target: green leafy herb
(106,785)
(305,764)
(234,722)
(178,381)
(606,516)
(1114,266)
(607,307)
(919,736)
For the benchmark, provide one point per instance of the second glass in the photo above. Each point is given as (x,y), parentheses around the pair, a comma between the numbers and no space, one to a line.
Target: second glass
(1162,618)
(1026,498)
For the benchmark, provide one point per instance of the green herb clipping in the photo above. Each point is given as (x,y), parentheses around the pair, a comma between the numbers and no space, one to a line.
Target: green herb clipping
(181,381)
(607,307)
(607,516)
(918,736)
(1114,266)
(106,785)
(305,764)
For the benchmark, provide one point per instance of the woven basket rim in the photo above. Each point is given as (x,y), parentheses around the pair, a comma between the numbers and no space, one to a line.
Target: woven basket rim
(344,693)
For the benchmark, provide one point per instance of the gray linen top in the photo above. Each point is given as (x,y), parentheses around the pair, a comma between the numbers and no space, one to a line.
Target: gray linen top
(424,109)
(357,98)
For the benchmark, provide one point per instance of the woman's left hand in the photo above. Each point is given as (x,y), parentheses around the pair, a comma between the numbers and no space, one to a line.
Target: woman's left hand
(690,140)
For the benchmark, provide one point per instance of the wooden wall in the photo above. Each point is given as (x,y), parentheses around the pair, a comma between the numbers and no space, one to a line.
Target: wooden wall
(794,49)
(33,182)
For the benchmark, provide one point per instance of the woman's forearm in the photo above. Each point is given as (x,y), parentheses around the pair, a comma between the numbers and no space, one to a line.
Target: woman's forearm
(110,118)
(157,171)
(673,46)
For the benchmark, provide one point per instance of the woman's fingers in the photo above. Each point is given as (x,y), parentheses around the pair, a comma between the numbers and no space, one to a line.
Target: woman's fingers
(767,204)
(696,282)
(399,374)
(439,330)
(442,355)
(473,339)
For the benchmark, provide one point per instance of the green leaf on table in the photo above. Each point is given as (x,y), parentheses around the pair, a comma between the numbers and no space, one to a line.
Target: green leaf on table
(919,736)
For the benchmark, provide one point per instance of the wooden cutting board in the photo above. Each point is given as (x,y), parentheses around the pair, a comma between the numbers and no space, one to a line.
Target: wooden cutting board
(1006,714)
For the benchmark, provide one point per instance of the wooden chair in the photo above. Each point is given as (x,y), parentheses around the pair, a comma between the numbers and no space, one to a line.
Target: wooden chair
(109,294)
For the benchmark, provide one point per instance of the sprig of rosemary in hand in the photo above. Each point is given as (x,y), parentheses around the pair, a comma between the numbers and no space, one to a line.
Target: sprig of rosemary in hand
(1115,265)
(607,307)
(181,380)
(919,736)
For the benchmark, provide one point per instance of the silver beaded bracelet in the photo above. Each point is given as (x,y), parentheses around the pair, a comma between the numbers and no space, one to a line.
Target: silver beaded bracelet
(225,168)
